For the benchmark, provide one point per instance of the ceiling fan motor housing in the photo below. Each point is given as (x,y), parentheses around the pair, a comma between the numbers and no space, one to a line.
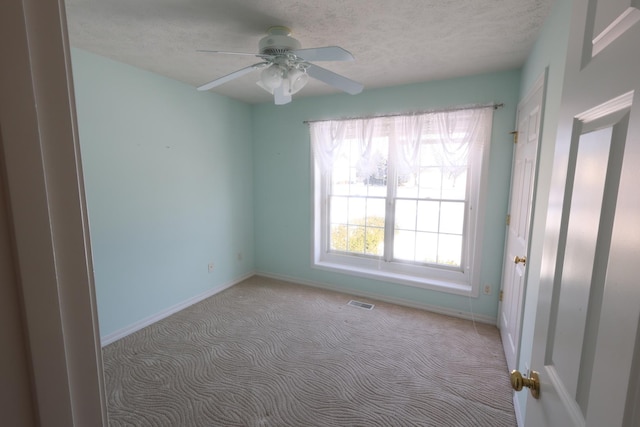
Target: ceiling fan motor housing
(278,41)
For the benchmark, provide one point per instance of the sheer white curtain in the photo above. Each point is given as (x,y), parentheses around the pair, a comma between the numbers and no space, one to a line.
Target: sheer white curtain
(462,134)
(368,156)
(407,147)
(331,139)
(448,137)
(327,141)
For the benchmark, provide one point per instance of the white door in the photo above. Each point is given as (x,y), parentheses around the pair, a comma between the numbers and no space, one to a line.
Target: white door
(587,336)
(519,221)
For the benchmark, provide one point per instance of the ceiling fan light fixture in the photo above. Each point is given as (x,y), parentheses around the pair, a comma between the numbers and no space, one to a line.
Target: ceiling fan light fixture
(297,79)
(271,77)
(259,83)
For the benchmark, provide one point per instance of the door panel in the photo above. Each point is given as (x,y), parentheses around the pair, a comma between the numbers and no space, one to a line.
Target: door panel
(607,15)
(586,343)
(584,217)
(611,20)
(575,319)
(517,242)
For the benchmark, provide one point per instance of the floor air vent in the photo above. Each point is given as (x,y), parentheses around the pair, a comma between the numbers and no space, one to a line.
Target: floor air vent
(359,304)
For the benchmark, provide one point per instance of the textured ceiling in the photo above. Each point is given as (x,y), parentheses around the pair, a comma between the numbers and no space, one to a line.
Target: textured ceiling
(394,42)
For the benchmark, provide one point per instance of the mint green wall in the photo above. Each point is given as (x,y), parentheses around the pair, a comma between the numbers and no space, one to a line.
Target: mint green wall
(548,55)
(169,185)
(282,171)
(176,178)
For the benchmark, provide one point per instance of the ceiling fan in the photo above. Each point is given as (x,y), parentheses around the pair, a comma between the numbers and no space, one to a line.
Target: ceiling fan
(286,68)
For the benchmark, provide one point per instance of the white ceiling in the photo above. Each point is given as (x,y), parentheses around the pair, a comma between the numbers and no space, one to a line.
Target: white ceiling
(394,42)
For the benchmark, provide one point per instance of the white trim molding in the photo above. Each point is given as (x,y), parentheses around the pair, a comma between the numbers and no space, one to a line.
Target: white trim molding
(619,26)
(128,330)
(43,182)
(481,318)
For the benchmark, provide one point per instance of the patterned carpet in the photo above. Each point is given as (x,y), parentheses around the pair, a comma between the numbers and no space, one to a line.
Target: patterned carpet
(269,353)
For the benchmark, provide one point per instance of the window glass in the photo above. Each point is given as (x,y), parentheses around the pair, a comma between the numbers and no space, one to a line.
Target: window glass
(400,190)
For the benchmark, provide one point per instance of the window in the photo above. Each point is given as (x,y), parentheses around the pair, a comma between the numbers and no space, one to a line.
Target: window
(398,198)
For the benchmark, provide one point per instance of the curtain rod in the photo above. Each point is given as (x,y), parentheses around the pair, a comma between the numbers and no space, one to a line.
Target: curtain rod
(413,113)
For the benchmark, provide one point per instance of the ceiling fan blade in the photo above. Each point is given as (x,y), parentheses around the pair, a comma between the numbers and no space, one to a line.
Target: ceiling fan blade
(226,52)
(280,97)
(329,53)
(335,80)
(241,72)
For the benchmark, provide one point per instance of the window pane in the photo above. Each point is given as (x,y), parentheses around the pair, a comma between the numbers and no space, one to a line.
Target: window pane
(374,241)
(377,190)
(452,217)
(339,210)
(338,238)
(374,238)
(450,250)
(404,245)
(430,183)
(357,211)
(340,188)
(454,188)
(431,152)
(376,161)
(407,186)
(406,214)
(428,216)
(377,182)
(427,248)
(358,188)
(356,239)
(340,177)
(376,209)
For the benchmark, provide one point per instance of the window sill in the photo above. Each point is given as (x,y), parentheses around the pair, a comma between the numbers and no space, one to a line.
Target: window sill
(398,278)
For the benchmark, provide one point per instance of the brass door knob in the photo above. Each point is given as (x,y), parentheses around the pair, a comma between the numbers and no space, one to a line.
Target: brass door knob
(533,383)
(519,260)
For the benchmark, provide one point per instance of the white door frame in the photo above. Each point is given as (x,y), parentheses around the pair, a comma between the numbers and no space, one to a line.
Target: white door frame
(47,210)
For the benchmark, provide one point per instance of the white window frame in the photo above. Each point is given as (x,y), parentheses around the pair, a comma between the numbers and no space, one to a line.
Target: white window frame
(465,281)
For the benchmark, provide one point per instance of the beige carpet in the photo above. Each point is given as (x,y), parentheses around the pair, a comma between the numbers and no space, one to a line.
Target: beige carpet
(268,353)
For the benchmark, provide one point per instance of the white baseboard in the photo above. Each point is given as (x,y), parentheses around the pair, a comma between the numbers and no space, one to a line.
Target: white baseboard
(121,333)
(399,301)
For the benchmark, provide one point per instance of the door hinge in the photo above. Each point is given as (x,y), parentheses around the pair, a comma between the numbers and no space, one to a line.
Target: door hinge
(515,136)
(508,219)
(500,296)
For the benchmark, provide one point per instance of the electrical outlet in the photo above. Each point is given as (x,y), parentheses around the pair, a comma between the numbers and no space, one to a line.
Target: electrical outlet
(211,266)
(487,289)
